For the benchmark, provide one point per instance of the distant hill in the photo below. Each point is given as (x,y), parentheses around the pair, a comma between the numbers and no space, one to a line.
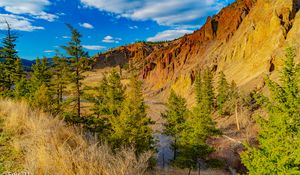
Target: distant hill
(27,63)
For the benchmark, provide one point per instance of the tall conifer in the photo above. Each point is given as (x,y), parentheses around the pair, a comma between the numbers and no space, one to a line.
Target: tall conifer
(132,127)
(79,65)
(222,92)
(278,151)
(175,117)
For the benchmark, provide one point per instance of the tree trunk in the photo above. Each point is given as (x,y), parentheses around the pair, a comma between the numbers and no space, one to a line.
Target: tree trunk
(236,116)
(190,171)
(78,88)
(199,168)
(175,149)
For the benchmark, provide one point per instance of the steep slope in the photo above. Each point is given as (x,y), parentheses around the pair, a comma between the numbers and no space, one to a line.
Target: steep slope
(245,40)
(135,53)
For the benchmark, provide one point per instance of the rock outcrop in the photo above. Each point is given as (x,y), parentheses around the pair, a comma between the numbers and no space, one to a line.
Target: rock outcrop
(245,40)
(135,53)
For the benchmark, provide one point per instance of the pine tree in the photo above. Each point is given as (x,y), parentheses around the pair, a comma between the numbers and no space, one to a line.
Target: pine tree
(79,65)
(207,101)
(21,89)
(110,95)
(222,92)
(132,127)
(192,145)
(41,73)
(107,104)
(198,88)
(115,93)
(198,127)
(40,83)
(11,66)
(175,116)
(278,151)
(100,100)
(61,73)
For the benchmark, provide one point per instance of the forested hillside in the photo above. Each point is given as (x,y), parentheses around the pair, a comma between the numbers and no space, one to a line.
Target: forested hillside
(222,100)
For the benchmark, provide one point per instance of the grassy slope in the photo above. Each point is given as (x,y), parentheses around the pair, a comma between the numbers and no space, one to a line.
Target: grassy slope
(32,141)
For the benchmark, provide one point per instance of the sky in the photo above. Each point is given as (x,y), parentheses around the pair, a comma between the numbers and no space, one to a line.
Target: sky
(104,24)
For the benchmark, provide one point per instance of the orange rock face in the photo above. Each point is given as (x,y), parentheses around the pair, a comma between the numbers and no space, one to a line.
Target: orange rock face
(123,55)
(241,40)
(164,63)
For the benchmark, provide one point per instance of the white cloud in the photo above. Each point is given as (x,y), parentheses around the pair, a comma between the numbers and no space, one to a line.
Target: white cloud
(93,47)
(34,8)
(169,35)
(164,12)
(66,37)
(86,25)
(133,27)
(61,14)
(17,22)
(48,51)
(110,39)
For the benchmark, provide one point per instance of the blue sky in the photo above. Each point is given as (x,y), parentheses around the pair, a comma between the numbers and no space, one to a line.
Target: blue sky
(104,24)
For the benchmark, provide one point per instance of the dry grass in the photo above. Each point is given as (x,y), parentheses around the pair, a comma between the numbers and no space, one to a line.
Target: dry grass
(48,146)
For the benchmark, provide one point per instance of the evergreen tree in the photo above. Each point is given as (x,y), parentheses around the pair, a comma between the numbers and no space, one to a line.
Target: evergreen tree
(192,145)
(40,83)
(114,96)
(222,92)
(198,88)
(100,101)
(132,127)
(110,95)
(79,65)
(11,66)
(107,104)
(198,127)
(41,73)
(278,151)
(207,97)
(175,116)
(21,89)
(60,78)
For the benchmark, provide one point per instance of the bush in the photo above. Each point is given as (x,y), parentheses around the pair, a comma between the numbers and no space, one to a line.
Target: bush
(215,163)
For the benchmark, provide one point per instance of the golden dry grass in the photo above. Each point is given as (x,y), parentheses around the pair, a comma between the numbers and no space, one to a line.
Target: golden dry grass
(48,146)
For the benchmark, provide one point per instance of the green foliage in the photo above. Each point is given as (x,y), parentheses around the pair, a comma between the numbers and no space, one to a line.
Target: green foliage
(10,65)
(41,73)
(60,78)
(107,104)
(21,89)
(40,94)
(132,127)
(79,65)
(175,117)
(198,88)
(198,126)
(215,163)
(222,93)
(207,90)
(192,143)
(278,151)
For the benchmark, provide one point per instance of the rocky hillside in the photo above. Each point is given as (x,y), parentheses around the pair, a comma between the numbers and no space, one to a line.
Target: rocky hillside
(246,40)
(121,56)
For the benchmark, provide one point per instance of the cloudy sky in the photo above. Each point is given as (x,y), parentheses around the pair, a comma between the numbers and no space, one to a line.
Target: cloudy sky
(104,24)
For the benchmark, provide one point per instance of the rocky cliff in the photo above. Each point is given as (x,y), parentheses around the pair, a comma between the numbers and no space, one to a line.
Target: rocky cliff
(246,40)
